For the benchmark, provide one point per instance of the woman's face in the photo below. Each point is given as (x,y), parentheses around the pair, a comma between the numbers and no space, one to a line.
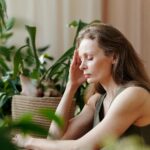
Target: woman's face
(95,65)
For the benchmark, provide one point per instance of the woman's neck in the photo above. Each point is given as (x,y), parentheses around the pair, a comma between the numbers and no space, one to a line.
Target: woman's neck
(111,87)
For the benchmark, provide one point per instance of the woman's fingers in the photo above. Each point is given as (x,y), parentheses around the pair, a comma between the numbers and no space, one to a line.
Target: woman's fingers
(20,140)
(76,59)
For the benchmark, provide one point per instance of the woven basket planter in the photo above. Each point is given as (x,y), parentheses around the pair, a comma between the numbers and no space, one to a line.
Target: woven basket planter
(26,104)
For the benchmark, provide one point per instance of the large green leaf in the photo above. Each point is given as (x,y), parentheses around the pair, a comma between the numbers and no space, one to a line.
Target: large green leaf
(26,125)
(32,34)
(58,64)
(6,52)
(50,114)
(3,64)
(2,14)
(81,25)
(18,60)
(3,99)
(10,23)
(5,140)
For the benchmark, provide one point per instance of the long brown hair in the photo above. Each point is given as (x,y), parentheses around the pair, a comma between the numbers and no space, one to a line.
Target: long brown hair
(128,67)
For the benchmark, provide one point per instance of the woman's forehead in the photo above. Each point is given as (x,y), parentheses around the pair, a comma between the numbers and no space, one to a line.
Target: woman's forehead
(88,46)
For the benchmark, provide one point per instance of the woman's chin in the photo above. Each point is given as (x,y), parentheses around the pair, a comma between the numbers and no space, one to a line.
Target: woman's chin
(92,80)
(89,80)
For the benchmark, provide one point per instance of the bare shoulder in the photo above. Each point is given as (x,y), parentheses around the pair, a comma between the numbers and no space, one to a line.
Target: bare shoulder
(126,109)
(131,99)
(134,93)
(137,90)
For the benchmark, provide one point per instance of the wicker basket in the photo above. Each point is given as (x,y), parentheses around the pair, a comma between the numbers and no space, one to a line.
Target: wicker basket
(26,104)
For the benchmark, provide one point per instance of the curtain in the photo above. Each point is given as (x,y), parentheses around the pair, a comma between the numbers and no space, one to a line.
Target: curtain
(51,18)
(132,17)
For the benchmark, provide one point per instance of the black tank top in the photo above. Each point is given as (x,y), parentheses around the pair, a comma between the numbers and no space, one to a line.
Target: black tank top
(143,132)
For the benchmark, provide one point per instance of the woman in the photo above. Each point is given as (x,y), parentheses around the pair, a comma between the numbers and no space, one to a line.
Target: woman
(118,108)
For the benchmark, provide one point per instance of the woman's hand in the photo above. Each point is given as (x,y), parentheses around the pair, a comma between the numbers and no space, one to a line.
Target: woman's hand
(76,76)
(22,140)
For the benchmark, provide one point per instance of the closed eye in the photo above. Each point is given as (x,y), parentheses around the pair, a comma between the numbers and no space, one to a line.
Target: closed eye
(90,58)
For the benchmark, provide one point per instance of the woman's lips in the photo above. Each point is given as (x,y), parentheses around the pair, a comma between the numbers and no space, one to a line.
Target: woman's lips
(86,75)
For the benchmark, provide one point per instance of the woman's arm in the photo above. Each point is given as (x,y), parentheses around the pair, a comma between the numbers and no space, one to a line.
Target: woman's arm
(122,113)
(82,123)
(76,78)
(31,143)
(127,108)
(77,127)
(63,110)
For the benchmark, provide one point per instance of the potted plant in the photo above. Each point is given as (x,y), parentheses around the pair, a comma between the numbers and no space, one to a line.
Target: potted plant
(9,78)
(57,74)
(29,99)
(8,86)
(29,73)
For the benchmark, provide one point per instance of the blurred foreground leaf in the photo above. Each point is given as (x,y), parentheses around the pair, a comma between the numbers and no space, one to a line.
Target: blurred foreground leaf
(5,140)
(50,114)
(26,125)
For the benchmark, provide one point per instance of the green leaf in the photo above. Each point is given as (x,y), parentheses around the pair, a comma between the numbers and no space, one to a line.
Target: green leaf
(26,125)
(5,141)
(48,57)
(32,35)
(2,14)
(35,73)
(50,114)
(5,36)
(3,99)
(18,61)
(80,26)
(6,52)
(73,24)
(3,64)
(42,49)
(2,123)
(10,23)
(58,64)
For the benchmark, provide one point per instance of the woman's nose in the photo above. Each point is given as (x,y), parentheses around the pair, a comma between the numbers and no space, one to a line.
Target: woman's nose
(83,65)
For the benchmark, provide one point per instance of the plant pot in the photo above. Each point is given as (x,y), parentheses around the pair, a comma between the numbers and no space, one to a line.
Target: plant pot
(26,104)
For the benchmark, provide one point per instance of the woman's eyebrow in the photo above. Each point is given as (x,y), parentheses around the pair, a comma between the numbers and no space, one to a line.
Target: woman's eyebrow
(84,55)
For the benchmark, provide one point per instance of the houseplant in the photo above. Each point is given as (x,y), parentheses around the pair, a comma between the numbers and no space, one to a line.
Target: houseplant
(8,86)
(5,51)
(9,79)
(57,73)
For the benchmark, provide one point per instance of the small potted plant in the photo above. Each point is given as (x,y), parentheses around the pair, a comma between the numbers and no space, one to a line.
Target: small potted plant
(32,97)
